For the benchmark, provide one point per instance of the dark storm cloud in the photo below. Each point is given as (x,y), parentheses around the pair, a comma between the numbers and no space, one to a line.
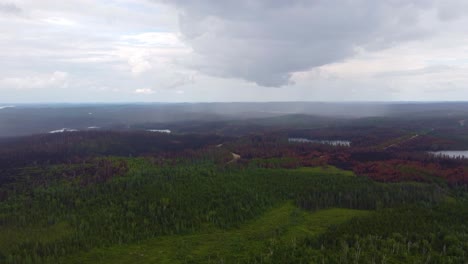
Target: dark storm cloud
(266,41)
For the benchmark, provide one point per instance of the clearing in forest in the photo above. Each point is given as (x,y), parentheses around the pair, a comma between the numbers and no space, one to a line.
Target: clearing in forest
(285,222)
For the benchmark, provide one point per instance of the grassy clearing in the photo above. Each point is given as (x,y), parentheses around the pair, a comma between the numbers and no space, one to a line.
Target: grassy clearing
(285,222)
(11,236)
(325,170)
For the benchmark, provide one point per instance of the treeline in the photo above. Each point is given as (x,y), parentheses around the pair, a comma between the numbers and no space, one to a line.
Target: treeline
(385,165)
(152,200)
(63,147)
(366,135)
(380,163)
(408,234)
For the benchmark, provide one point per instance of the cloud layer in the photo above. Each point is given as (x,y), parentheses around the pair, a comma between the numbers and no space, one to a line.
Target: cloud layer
(232,50)
(266,41)
(56,79)
(9,8)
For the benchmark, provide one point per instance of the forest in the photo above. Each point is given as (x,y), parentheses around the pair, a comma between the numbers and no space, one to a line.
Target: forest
(234,132)
(254,196)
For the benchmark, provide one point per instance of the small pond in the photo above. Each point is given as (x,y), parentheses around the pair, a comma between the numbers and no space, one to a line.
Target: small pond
(451,153)
(63,130)
(167,131)
(343,143)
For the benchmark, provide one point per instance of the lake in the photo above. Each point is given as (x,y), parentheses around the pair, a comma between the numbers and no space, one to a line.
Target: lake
(63,130)
(167,131)
(343,143)
(451,153)
(6,106)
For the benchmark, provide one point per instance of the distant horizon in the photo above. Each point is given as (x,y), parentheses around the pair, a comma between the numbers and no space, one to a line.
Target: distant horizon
(214,102)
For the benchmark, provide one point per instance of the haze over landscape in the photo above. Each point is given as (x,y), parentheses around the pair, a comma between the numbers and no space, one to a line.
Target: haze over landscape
(206,51)
(229,132)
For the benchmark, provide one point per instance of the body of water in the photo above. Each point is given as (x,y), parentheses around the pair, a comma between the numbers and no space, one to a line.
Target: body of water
(344,143)
(451,153)
(167,131)
(6,106)
(63,130)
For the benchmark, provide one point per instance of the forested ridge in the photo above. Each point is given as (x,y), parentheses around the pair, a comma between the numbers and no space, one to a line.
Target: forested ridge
(83,193)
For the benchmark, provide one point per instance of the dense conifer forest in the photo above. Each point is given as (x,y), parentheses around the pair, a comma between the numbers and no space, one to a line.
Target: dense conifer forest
(145,197)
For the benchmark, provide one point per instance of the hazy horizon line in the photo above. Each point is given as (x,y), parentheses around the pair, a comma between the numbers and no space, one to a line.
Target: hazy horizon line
(222,102)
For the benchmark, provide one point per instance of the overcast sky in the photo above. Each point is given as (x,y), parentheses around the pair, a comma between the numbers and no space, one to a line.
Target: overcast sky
(233,50)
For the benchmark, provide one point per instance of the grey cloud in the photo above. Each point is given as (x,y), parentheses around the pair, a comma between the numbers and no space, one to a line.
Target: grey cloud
(9,8)
(265,41)
(452,9)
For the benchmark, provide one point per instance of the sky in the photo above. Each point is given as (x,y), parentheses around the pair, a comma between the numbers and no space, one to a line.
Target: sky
(233,50)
